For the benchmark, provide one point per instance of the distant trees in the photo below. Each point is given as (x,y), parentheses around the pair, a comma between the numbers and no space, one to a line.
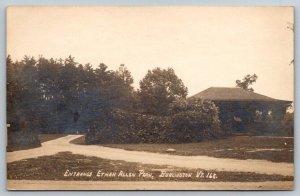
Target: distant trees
(248,80)
(158,89)
(55,95)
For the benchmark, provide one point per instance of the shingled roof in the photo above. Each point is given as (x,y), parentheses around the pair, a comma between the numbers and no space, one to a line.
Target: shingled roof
(232,94)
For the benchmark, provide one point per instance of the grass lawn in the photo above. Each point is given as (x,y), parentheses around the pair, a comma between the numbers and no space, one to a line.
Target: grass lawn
(276,149)
(68,166)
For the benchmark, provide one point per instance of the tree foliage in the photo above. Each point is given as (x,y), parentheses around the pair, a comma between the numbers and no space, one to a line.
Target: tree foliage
(158,89)
(56,95)
(23,101)
(195,119)
(248,80)
(64,96)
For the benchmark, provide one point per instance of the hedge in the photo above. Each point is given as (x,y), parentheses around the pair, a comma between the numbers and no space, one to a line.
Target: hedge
(188,121)
(130,127)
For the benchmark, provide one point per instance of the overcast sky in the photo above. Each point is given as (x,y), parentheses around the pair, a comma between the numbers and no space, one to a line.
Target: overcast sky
(206,46)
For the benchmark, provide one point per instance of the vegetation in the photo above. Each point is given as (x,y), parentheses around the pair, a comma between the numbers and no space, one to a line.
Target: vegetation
(248,80)
(158,89)
(23,144)
(62,96)
(194,120)
(288,124)
(130,127)
(187,121)
(56,96)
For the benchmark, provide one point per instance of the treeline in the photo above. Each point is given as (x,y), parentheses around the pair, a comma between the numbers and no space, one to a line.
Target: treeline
(63,96)
(55,96)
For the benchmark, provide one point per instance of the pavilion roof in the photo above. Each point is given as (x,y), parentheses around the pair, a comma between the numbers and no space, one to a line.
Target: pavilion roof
(233,94)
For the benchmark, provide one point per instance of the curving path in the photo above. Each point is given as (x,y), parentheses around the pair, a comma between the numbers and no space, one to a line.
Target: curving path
(201,162)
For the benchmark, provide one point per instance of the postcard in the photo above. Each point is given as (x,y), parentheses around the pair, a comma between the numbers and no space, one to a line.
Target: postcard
(150,98)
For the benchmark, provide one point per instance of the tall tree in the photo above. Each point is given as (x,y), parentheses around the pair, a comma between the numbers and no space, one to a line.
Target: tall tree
(23,102)
(123,86)
(248,80)
(55,95)
(12,90)
(158,89)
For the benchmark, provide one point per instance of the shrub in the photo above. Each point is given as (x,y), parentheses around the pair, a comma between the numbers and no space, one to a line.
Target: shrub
(195,119)
(284,127)
(21,137)
(188,121)
(130,127)
(288,124)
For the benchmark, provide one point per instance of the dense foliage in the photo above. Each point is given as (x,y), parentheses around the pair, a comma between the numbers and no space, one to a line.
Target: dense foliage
(195,119)
(131,127)
(158,89)
(63,96)
(188,121)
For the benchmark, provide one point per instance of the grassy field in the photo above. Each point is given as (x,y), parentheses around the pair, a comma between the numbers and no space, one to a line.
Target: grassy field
(55,167)
(276,149)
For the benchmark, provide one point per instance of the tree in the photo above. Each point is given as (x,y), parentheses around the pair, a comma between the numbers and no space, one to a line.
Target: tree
(23,100)
(12,91)
(122,85)
(158,89)
(248,80)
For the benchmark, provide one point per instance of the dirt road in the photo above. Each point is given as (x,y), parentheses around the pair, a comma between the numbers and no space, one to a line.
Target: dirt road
(203,162)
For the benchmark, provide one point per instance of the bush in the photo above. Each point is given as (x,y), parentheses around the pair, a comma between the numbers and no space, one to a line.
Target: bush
(129,127)
(273,127)
(188,121)
(21,137)
(194,120)
(288,124)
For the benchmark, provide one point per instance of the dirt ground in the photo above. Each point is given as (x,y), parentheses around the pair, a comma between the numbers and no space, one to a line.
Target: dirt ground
(193,162)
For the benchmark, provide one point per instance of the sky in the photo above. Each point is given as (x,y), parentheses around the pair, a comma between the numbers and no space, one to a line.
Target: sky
(206,46)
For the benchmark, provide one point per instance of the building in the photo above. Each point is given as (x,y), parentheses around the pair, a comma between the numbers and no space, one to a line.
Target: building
(239,108)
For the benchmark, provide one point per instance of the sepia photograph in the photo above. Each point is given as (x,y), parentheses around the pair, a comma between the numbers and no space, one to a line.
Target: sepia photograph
(150,98)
